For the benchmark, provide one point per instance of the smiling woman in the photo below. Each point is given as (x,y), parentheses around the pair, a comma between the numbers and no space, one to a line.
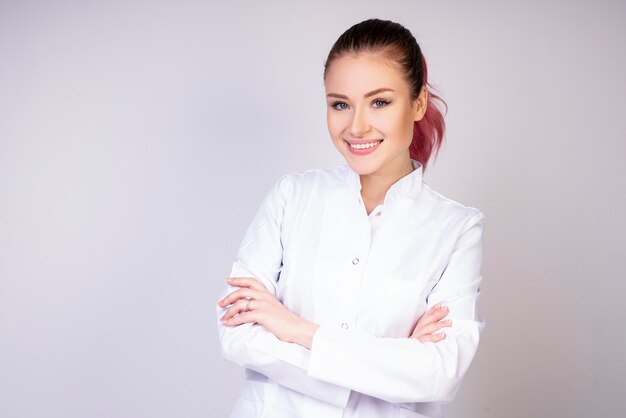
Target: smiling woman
(379,122)
(354,290)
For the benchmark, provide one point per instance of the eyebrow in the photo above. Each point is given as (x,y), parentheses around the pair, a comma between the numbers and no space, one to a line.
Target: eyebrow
(371,93)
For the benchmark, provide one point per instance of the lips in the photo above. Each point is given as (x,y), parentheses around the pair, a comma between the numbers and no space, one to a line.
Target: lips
(362,147)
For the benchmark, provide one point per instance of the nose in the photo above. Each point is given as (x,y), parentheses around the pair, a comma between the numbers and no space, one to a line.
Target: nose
(359,126)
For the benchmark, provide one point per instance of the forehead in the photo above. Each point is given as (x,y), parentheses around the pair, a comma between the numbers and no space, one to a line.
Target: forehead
(356,74)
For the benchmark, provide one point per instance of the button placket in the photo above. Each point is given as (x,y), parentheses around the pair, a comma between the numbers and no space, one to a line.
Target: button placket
(361,241)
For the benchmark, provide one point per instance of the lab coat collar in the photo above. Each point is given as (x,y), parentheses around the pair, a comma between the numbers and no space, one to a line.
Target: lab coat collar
(407,186)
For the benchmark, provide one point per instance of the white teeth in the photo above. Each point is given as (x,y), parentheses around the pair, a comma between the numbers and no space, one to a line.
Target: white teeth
(364,146)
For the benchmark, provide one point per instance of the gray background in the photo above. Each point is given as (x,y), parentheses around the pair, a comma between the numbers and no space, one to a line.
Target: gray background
(137,139)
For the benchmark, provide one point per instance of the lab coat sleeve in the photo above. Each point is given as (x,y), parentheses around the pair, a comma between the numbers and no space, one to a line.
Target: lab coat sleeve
(402,370)
(251,345)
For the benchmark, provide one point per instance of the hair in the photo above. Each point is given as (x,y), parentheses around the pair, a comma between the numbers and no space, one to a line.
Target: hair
(396,43)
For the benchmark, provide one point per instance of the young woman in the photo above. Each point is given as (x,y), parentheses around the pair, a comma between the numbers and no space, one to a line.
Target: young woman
(354,290)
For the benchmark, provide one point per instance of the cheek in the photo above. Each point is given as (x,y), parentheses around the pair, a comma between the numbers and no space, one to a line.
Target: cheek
(408,132)
(404,127)
(334,125)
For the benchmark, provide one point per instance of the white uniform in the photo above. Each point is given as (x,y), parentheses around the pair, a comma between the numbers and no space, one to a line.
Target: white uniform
(366,280)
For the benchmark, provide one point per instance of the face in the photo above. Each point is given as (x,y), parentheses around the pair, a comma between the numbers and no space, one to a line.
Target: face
(370,113)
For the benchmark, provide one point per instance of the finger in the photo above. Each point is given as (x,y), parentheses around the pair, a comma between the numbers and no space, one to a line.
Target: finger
(242,293)
(434,314)
(240,307)
(233,296)
(251,282)
(235,309)
(242,318)
(432,338)
(438,311)
(431,328)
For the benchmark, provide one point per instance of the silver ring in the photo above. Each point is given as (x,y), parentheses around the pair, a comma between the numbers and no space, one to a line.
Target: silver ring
(248,303)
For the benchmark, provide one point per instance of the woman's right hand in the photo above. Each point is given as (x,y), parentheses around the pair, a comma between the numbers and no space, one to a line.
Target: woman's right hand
(430,322)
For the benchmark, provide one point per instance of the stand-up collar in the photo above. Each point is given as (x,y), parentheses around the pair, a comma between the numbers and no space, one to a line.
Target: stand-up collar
(408,186)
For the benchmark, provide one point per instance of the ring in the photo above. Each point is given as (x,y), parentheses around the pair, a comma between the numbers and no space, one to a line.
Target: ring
(248,303)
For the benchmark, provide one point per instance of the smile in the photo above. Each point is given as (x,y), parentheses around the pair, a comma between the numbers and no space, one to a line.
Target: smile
(362,146)
(366,148)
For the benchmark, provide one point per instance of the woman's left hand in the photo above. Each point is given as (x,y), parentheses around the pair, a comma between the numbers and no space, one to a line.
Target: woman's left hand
(265,309)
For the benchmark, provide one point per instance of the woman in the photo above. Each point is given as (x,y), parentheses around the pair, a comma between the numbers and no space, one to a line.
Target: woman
(354,290)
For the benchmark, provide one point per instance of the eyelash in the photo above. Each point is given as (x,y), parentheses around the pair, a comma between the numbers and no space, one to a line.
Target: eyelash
(385,103)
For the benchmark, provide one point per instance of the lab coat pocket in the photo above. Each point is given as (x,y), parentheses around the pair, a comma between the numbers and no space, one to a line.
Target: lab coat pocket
(402,303)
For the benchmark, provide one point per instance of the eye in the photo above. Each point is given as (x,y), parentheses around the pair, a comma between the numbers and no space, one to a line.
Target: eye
(380,103)
(339,105)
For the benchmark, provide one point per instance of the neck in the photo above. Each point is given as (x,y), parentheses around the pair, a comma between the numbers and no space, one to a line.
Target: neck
(374,186)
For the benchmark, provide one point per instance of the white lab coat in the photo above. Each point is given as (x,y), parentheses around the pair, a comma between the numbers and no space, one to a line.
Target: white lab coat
(366,280)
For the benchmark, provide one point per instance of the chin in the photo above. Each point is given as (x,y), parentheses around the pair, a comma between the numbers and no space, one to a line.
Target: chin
(362,167)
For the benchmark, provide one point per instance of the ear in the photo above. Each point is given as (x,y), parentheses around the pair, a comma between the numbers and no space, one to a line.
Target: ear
(420,104)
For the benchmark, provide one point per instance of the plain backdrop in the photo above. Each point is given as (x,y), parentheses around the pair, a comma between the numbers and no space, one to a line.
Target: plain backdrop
(137,139)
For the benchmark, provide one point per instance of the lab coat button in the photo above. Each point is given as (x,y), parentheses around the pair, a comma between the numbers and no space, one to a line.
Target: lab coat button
(344,325)
(355,261)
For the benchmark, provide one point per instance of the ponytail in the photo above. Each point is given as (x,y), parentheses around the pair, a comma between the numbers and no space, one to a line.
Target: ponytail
(428,132)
